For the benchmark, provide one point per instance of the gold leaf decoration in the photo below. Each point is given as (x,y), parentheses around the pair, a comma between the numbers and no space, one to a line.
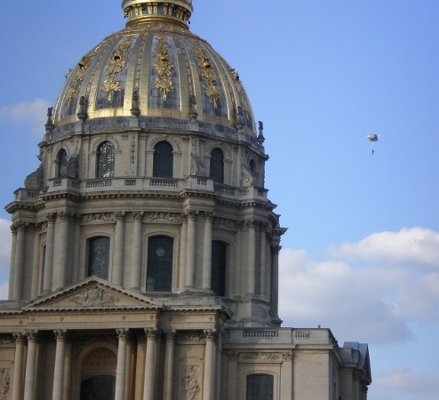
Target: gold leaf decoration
(79,74)
(164,66)
(208,74)
(115,67)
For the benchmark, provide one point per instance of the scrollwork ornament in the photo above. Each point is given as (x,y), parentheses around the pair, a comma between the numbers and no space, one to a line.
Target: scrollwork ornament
(61,334)
(94,297)
(32,336)
(210,334)
(19,338)
(151,333)
(123,333)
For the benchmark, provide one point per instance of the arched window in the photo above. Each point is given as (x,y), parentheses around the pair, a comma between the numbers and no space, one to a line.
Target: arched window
(252,166)
(62,160)
(163,161)
(159,272)
(260,387)
(219,260)
(105,160)
(99,257)
(217,166)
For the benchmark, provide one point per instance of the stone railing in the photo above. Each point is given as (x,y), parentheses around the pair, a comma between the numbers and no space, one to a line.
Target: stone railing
(26,195)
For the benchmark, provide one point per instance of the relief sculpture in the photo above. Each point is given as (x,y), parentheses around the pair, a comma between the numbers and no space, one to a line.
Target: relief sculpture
(191,384)
(4,383)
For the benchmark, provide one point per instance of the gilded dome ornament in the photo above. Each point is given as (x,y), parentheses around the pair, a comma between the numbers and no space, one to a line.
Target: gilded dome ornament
(163,66)
(115,67)
(209,75)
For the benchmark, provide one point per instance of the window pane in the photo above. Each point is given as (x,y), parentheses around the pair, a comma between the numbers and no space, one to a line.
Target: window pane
(62,160)
(105,161)
(163,161)
(99,388)
(218,277)
(260,387)
(99,257)
(217,166)
(159,274)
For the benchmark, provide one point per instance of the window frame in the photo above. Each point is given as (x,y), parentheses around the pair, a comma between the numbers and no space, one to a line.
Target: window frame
(107,172)
(163,163)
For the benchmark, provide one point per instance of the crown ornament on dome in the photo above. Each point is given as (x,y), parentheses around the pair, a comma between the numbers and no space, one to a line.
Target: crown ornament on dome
(146,11)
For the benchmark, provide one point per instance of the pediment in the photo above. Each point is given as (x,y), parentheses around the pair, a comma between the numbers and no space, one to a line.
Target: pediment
(92,294)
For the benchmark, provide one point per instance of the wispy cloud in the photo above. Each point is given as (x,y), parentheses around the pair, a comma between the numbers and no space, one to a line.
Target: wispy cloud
(374,303)
(403,380)
(416,247)
(33,113)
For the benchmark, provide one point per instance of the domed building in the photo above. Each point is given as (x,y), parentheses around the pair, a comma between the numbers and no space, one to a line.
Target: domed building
(145,249)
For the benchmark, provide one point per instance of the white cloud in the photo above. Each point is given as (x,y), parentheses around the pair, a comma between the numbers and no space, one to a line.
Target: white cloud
(402,379)
(33,113)
(374,303)
(332,294)
(415,247)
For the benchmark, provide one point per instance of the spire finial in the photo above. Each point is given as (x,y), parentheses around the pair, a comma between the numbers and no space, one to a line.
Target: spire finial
(49,124)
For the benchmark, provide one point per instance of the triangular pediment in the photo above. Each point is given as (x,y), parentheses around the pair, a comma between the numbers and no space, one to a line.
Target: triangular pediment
(92,293)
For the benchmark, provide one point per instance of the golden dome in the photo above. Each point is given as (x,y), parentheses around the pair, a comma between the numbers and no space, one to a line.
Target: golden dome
(153,69)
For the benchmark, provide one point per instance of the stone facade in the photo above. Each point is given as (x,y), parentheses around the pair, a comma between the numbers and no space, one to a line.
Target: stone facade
(145,249)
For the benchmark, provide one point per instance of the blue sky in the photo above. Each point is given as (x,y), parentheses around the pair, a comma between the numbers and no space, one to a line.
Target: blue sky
(361,255)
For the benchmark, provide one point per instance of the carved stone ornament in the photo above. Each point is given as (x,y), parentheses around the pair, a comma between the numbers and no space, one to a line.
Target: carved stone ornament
(98,217)
(190,336)
(163,64)
(261,356)
(70,168)
(35,180)
(6,339)
(94,297)
(248,178)
(197,167)
(162,217)
(191,382)
(4,383)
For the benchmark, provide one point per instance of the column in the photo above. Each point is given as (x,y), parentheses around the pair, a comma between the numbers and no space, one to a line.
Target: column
(169,365)
(58,375)
(240,277)
(48,264)
(36,263)
(275,279)
(118,249)
(137,250)
(183,251)
(263,262)
(232,375)
(150,364)
(31,366)
(209,365)
(251,270)
(67,369)
(121,363)
(12,267)
(207,252)
(190,252)
(62,248)
(17,285)
(17,384)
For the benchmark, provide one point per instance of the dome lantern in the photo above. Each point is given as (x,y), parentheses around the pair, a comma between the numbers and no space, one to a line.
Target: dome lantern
(144,11)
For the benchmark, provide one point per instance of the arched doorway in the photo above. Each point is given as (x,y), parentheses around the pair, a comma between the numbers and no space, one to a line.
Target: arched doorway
(98,375)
